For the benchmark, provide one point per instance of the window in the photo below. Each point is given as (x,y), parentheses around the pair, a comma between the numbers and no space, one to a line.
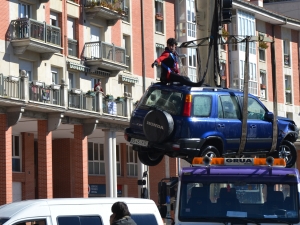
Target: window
(126,45)
(54,19)
(191,25)
(228,107)
(72,83)
(288,89)
(145,219)
(263,84)
(27,68)
(96,159)
(246,27)
(159,50)
(118,160)
(252,77)
(24,10)
(55,75)
(72,42)
(125,8)
(94,81)
(201,106)
(131,162)
(127,89)
(32,222)
(286,52)
(16,154)
(255,110)
(79,220)
(262,54)
(159,22)
(192,64)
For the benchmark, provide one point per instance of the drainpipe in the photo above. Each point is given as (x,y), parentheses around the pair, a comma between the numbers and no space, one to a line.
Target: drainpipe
(143,47)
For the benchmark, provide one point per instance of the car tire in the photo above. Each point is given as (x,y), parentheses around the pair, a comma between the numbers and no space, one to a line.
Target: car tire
(288,152)
(150,158)
(158,126)
(210,151)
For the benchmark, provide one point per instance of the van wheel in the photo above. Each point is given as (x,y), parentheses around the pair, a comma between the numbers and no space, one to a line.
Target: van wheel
(210,151)
(150,158)
(288,152)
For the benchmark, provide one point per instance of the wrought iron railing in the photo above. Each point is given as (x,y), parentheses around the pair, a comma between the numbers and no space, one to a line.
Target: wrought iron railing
(114,107)
(103,50)
(45,94)
(30,28)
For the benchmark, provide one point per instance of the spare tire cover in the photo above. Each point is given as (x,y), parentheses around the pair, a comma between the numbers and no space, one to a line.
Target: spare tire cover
(158,125)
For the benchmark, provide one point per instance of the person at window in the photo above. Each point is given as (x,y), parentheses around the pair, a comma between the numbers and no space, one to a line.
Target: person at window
(121,214)
(169,66)
(98,87)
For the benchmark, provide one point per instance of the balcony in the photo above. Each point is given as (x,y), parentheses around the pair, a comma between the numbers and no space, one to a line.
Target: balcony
(39,92)
(10,87)
(29,34)
(106,9)
(102,55)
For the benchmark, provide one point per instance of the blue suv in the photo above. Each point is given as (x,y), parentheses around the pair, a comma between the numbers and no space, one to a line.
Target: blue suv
(182,121)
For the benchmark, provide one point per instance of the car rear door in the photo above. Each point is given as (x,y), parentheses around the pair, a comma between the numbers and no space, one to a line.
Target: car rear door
(228,122)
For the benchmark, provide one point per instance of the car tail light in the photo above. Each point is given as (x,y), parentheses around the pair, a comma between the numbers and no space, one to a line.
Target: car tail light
(187,105)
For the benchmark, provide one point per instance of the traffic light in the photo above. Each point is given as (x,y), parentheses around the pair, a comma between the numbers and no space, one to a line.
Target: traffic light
(226,13)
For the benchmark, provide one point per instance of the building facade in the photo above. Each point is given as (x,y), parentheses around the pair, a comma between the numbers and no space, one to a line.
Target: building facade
(59,137)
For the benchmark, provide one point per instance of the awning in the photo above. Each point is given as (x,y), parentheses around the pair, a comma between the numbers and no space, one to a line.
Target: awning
(129,79)
(77,66)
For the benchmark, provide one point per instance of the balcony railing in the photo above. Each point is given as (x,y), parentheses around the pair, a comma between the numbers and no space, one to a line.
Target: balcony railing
(30,28)
(10,86)
(72,47)
(100,49)
(45,94)
(113,107)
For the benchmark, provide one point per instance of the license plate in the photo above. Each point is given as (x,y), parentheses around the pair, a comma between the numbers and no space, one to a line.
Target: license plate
(139,142)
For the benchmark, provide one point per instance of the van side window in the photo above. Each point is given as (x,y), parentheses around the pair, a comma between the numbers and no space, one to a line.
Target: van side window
(145,219)
(32,222)
(79,220)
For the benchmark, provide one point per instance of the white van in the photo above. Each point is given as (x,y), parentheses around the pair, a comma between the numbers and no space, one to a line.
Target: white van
(76,211)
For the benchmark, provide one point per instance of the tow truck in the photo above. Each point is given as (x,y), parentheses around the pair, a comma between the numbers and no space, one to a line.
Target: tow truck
(231,191)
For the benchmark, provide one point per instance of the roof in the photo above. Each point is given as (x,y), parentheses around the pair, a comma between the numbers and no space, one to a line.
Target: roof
(11,209)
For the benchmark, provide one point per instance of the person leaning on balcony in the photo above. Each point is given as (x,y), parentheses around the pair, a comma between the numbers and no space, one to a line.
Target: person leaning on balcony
(98,87)
(169,66)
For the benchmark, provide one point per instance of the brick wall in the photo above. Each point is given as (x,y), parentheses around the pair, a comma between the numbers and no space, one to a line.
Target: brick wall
(5,161)
(45,189)
(28,167)
(62,167)
(4,18)
(79,164)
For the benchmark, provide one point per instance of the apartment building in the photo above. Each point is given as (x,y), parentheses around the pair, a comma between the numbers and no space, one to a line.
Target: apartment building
(59,137)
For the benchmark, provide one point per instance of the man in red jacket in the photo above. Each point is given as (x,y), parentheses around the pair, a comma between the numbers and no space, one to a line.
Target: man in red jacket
(169,66)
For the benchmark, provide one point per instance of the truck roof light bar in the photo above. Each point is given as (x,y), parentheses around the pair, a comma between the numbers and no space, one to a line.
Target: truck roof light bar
(269,161)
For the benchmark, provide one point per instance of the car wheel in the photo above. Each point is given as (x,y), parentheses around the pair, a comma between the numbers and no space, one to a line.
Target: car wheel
(288,152)
(150,158)
(158,126)
(210,151)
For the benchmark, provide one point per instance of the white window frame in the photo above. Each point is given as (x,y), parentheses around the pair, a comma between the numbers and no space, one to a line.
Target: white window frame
(97,159)
(54,19)
(16,151)
(288,88)
(159,50)
(71,28)
(72,80)
(131,162)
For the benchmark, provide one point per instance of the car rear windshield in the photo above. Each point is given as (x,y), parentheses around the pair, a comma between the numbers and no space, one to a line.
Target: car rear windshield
(166,100)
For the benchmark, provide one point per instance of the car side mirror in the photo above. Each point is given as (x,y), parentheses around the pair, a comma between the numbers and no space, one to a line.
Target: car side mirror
(269,116)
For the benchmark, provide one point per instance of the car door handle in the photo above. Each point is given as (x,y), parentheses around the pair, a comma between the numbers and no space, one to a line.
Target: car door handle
(221,125)
(252,126)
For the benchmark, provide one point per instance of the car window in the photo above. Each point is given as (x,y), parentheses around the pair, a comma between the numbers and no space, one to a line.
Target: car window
(255,110)
(228,107)
(201,105)
(166,100)
(145,219)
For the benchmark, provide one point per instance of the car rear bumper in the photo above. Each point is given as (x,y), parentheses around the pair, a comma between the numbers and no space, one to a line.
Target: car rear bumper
(183,147)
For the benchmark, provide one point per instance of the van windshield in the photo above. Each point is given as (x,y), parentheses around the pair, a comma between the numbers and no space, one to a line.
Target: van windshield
(3,220)
(166,100)
(250,202)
